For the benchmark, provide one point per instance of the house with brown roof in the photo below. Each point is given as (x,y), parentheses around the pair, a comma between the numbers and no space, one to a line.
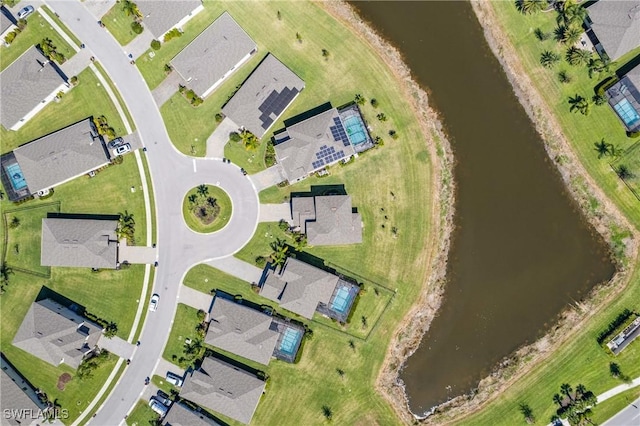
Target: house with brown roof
(327,220)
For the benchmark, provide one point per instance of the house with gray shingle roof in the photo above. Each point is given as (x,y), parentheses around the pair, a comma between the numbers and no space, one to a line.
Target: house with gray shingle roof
(264,96)
(311,145)
(624,98)
(214,55)
(17,396)
(7,22)
(27,86)
(298,286)
(62,155)
(327,220)
(181,415)
(241,330)
(224,388)
(56,334)
(160,16)
(89,243)
(614,26)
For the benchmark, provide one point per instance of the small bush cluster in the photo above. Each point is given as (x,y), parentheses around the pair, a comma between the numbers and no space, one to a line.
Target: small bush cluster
(49,50)
(137,27)
(74,80)
(270,155)
(86,368)
(11,36)
(155,44)
(613,325)
(103,127)
(172,34)
(191,96)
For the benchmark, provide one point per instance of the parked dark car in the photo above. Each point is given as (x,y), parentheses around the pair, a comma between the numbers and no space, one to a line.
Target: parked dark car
(115,143)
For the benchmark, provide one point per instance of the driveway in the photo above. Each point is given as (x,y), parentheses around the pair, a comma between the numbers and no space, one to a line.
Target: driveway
(139,255)
(237,268)
(173,174)
(167,88)
(269,177)
(117,346)
(220,137)
(194,298)
(275,212)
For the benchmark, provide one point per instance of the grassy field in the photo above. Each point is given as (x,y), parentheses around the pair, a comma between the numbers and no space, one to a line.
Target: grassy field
(581,360)
(190,209)
(329,79)
(119,24)
(115,90)
(184,327)
(37,29)
(142,414)
(86,99)
(266,234)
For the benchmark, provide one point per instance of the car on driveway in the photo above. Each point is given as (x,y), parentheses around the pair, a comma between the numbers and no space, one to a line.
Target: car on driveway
(163,398)
(153,304)
(25,11)
(174,379)
(123,149)
(115,143)
(157,406)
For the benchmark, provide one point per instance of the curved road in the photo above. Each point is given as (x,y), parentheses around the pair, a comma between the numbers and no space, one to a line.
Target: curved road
(173,175)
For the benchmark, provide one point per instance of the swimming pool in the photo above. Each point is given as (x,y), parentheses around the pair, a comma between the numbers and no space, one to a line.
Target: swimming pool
(16,176)
(290,339)
(341,300)
(626,112)
(355,129)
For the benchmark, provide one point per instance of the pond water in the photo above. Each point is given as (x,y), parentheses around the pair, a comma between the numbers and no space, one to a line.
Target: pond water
(521,251)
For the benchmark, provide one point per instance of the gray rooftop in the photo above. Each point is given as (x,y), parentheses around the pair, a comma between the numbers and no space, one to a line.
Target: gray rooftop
(16,394)
(264,96)
(56,334)
(634,76)
(301,142)
(212,55)
(299,287)
(241,330)
(159,16)
(6,19)
(25,83)
(225,389)
(327,220)
(61,156)
(181,415)
(617,25)
(79,242)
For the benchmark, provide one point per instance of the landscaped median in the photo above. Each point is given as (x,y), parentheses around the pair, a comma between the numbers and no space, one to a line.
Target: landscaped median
(206,208)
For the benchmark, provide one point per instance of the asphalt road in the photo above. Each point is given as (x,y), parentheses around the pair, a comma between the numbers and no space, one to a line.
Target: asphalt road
(173,174)
(630,416)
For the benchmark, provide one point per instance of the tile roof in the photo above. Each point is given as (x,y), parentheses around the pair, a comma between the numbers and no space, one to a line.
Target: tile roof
(61,156)
(302,143)
(263,96)
(616,24)
(56,334)
(327,220)
(298,286)
(225,389)
(241,330)
(25,83)
(213,54)
(181,415)
(79,242)
(159,16)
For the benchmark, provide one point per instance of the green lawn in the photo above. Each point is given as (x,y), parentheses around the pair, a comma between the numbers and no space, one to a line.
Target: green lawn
(266,234)
(142,414)
(581,359)
(607,409)
(57,20)
(184,327)
(115,90)
(37,29)
(191,209)
(119,24)
(631,159)
(86,99)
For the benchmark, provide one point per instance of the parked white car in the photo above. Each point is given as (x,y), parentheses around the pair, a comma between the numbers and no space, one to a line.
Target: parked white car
(25,11)
(157,406)
(153,303)
(122,149)
(174,379)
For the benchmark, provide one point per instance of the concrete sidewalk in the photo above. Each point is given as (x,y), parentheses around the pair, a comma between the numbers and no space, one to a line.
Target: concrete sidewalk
(269,177)
(78,63)
(238,268)
(275,212)
(219,138)
(140,44)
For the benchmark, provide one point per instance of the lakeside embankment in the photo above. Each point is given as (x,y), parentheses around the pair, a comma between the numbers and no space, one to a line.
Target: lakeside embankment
(583,188)
(409,332)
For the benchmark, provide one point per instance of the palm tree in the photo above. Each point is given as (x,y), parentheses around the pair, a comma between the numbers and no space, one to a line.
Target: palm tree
(193,198)
(548,59)
(5,271)
(203,190)
(279,255)
(581,390)
(603,148)
(564,77)
(131,9)
(211,202)
(600,65)
(360,100)
(558,399)
(571,35)
(529,7)
(579,104)
(249,140)
(340,372)
(577,56)
(527,412)
(572,15)
(566,389)
(623,172)
(327,412)
(614,370)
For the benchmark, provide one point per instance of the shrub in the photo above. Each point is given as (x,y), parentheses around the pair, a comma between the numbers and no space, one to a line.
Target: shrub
(10,37)
(172,34)
(613,325)
(167,69)
(22,23)
(136,27)
(74,80)
(260,262)
(218,117)
(155,45)
(393,134)
(181,88)
(374,102)
(235,137)
(599,100)
(633,134)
